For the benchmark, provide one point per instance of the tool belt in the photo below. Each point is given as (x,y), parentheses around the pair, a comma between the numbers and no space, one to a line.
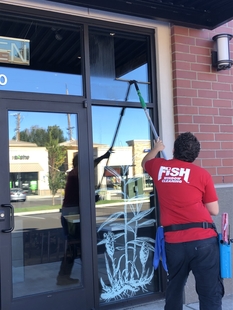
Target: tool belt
(185,226)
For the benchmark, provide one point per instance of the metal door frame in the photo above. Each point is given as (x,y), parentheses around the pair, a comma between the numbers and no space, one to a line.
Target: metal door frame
(58,104)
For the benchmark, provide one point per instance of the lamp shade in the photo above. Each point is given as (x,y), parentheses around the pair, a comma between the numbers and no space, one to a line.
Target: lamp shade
(223,60)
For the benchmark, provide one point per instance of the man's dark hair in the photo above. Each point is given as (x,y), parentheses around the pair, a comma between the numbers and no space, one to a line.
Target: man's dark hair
(75,160)
(186,147)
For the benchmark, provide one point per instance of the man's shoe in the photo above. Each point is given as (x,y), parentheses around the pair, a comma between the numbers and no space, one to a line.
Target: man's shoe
(64,280)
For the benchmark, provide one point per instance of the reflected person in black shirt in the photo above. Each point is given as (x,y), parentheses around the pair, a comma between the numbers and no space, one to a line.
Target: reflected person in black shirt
(72,230)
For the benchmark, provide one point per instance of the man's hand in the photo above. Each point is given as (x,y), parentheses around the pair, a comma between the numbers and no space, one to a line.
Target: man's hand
(108,153)
(158,147)
(105,156)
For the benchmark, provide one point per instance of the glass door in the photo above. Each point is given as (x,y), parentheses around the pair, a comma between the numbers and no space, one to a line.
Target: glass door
(45,184)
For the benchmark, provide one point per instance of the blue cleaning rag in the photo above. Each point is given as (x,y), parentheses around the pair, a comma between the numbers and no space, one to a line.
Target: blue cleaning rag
(160,249)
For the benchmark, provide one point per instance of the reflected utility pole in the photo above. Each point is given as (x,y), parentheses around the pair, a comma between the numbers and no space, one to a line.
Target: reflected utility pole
(70,128)
(17,129)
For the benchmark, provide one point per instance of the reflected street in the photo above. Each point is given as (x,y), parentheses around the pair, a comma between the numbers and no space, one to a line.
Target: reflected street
(33,201)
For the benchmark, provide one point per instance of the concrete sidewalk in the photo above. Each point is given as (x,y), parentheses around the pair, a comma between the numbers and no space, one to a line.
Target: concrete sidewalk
(227,304)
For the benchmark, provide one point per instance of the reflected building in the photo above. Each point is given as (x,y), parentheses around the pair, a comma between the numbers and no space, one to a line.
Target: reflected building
(29,163)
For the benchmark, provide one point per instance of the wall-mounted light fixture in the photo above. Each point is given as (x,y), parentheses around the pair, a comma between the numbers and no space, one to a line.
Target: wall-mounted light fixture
(221,56)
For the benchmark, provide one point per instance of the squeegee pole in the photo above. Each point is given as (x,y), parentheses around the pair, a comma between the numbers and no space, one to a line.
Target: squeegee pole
(147,115)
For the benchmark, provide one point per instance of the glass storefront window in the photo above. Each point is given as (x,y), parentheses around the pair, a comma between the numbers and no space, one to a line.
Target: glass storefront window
(125,210)
(115,58)
(49,61)
(46,241)
(41,81)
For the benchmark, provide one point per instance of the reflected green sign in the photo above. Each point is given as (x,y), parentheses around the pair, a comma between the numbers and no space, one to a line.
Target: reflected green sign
(14,51)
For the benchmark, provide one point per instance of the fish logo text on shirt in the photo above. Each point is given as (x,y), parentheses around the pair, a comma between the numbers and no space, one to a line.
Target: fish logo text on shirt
(173,175)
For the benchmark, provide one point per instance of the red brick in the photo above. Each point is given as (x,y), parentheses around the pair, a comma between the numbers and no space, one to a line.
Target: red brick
(223,136)
(200,67)
(213,103)
(224,153)
(184,101)
(203,119)
(180,30)
(197,33)
(226,112)
(187,127)
(217,179)
(209,128)
(183,92)
(221,86)
(206,76)
(227,162)
(222,103)
(187,110)
(211,170)
(202,102)
(222,120)
(203,59)
(204,43)
(185,75)
(228,179)
(226,128)
(210,145)
(227,145)
(207,154)
(188,119)
(183,48)
(201,85)
(184,57)
(224,170)
(182,83)
(184,39)
(197,50)
(225,95)
(211,162)
(205,136)
(224,78)
(207,93)
(181,65)
(208,111)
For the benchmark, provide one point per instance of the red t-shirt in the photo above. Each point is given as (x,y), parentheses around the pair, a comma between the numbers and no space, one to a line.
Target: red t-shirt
(183,188)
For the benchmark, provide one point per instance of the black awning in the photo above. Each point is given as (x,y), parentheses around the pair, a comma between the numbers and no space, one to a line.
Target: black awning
(207,14)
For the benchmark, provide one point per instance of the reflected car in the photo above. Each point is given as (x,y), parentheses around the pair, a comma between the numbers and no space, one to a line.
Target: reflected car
(17,194)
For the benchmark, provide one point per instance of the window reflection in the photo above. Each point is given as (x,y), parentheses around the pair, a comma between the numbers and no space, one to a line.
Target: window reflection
(41,82)
(46,243)
(125,213)
(115,59)
(55,53)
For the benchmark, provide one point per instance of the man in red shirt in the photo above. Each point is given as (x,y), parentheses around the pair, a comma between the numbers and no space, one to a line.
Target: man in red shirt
(187,200)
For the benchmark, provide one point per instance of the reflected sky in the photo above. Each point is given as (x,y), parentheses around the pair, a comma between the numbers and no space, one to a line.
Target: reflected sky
(41,82)
(134,124)
(42,120)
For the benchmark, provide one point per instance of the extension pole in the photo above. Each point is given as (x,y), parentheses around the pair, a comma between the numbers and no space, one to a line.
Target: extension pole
(147,114)
(117,129)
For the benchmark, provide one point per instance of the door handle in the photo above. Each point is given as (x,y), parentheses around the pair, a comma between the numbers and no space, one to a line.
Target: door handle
(11,216)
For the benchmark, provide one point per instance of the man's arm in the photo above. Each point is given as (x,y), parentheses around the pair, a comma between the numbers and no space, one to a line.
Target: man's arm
(212,207)
(105,156)
(158,147)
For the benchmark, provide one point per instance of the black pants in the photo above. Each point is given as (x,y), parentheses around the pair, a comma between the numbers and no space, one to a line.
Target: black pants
(73,251)
(202,258)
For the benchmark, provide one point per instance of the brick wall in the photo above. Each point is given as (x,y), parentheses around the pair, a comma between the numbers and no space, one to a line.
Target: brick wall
(203,98)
